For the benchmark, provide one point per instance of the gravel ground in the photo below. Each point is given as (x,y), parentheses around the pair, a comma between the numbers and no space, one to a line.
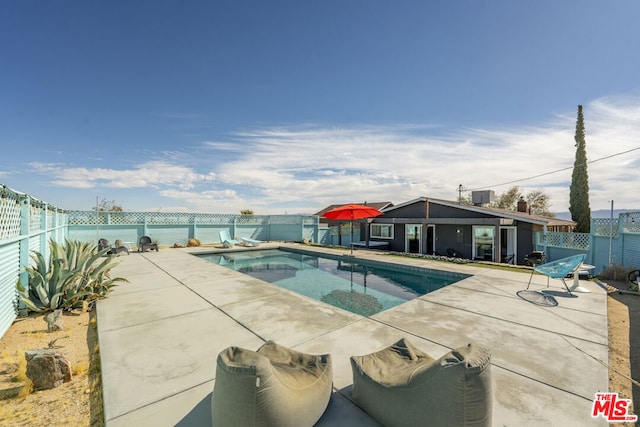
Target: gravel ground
(76,403)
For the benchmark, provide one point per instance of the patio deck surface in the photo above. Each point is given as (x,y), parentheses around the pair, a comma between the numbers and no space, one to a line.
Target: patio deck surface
(160,334)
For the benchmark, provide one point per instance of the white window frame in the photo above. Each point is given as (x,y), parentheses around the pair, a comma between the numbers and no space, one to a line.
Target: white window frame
(493,240)
(420,229)
(389,226)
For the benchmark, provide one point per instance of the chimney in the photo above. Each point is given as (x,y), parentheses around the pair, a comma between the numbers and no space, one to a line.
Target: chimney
(523,205)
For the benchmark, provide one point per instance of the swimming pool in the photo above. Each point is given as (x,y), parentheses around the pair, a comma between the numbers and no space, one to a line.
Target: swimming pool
(359,286)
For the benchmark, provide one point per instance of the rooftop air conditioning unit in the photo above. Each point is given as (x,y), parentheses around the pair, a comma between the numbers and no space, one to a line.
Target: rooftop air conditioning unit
(483,198)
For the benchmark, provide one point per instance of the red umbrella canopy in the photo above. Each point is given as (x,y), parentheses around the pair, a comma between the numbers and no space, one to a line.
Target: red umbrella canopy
(351,212)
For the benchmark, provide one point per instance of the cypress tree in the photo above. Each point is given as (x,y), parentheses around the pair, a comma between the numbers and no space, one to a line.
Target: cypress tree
(579,190)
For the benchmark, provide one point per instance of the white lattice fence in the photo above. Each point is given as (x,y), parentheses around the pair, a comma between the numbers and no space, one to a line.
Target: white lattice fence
(604,227)
(124,218)
(9,214)
(568,240)
(169,228)
(285,219)
(214,219)
(35,217)
(167,218)
(85,217)
(630,222)
(251,220)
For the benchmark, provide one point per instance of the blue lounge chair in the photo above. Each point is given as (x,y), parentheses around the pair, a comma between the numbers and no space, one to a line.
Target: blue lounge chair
(251,242)
(559,269)
(226,239)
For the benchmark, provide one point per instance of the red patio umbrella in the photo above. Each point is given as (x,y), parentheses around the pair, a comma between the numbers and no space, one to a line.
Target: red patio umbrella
(351,212)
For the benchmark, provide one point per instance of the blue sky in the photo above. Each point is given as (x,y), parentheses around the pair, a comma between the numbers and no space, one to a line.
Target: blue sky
(288,106)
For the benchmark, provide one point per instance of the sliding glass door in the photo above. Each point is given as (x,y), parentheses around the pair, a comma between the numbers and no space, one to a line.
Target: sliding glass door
(483,242)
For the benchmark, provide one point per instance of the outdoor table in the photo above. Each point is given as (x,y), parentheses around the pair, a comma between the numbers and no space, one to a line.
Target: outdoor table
(583,269)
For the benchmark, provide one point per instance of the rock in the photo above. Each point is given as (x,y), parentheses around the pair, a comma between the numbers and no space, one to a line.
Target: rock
(54,321)
(10,368)
(47,368)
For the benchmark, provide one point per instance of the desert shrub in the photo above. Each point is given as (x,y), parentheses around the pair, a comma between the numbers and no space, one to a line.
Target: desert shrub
(615,272)
(193,242)
(76,275)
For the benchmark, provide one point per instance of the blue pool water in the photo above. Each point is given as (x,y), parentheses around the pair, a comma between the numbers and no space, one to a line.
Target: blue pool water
(359,286)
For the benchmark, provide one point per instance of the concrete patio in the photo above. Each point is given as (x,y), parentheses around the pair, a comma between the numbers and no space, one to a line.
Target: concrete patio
(160,335)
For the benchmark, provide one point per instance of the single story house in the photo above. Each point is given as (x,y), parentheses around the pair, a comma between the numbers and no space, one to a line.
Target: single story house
(434,226)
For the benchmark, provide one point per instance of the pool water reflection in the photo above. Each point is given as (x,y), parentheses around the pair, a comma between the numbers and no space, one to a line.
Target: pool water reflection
(360,286)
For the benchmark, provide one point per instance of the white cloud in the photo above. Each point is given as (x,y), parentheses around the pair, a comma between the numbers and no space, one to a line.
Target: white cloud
(397,163)
(210,201)
(154,174)
(304,168)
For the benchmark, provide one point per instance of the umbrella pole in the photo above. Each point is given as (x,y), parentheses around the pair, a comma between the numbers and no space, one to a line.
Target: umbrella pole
(351,240)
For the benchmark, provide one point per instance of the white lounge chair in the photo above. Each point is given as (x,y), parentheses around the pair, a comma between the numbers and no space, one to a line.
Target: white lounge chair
(251,242)
(226,239)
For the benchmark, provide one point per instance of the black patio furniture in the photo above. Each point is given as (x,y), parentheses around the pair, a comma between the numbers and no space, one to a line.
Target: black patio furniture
(146,243)
(113,250)
(534,258)
(453,253)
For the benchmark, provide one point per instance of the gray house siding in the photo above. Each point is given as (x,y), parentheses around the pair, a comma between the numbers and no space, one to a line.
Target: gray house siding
(447,237)
(526,239)
(414,210)
(397,244)
(440,211)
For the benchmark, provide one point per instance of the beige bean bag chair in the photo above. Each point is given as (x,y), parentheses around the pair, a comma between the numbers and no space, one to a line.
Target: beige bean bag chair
(402,386)
(274,386)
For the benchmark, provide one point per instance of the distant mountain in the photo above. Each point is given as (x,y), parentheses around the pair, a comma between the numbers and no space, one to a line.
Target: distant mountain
(601,213)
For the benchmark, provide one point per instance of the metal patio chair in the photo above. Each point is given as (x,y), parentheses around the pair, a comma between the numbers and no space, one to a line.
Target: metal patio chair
(559,269)
(146,243)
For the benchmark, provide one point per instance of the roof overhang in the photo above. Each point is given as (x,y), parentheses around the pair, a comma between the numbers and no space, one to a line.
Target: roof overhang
(446,221)
(505,217)
(479,209)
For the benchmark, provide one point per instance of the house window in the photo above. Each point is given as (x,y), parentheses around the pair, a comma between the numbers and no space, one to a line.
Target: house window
(483,243)
(382,231)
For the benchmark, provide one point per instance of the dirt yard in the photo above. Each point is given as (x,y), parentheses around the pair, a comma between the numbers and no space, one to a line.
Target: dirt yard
(76,403)
(624,344)
(79,402)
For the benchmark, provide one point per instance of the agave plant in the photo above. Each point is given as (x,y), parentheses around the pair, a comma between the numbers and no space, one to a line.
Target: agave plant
(76,272)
